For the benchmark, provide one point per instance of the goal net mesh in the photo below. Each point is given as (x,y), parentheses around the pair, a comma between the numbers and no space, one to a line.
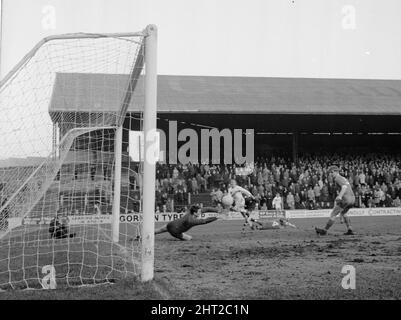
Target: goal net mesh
(59,109)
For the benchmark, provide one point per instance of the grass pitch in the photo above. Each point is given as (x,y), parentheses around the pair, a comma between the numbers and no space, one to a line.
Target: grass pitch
(221,262)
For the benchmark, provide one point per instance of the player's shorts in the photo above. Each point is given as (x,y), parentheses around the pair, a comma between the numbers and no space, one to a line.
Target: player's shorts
(346,201)
(342,206)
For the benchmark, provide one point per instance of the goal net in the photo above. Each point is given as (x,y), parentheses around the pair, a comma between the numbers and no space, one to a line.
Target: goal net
(60,109)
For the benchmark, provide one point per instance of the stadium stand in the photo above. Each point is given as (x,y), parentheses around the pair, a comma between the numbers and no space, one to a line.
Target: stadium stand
(375,179)
(292,115)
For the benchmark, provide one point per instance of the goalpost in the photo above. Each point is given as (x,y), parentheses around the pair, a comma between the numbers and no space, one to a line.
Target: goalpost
(64,169)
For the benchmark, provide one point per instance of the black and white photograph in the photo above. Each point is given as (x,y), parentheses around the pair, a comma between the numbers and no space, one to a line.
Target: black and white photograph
(200,154)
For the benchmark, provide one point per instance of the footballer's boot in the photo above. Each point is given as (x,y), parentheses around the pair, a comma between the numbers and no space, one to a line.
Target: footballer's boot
(349,233)
(320,232)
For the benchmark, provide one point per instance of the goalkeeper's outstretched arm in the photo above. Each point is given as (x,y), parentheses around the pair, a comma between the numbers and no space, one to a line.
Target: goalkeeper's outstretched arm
(210,209)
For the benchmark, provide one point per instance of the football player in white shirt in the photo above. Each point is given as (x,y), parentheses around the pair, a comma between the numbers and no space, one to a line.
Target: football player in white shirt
(237,193)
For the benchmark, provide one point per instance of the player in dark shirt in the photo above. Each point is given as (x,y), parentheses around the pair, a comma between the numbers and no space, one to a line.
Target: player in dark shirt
(344,201)
(177,228)
(58,229)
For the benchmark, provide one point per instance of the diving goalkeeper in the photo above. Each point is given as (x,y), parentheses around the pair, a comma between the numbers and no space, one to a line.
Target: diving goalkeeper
(177,228)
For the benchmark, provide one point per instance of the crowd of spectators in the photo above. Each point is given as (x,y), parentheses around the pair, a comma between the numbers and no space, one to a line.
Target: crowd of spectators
(375,179)
(179,182)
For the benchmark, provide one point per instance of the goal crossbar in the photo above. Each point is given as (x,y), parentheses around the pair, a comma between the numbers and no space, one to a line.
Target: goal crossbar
(67,36)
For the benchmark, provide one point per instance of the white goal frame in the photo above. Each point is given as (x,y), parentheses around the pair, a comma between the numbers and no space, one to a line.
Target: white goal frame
(149,59)
(149,172)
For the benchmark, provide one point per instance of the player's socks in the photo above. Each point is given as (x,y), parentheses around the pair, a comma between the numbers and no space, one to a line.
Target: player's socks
(248,221)
(348,223)
(329,224)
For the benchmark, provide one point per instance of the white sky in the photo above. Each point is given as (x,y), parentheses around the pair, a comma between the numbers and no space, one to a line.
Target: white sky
(279,38)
